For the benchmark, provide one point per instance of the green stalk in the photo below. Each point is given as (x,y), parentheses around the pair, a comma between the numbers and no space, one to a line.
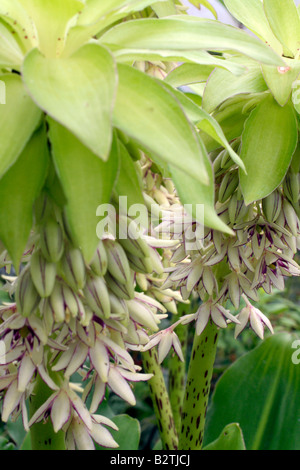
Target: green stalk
(177,372)
(42,434)
(160,400)
(197,388)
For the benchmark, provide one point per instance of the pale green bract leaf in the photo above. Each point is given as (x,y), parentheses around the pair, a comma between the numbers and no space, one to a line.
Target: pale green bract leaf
(282,80)
(19,188)
(205,122)
(198,198)
(285,23)
(10,53)
(186,74)
(97,16)
(206,4)
(252,15)
(127,183)
(222,85)
(268,142)
(51,19)
(183,33)
(156,121)
(78,92)
(87,182)
(166,8)
(19,118)
(16,15)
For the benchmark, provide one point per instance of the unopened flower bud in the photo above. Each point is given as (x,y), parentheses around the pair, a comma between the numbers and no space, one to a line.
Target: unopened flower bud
(51,241)
(118,264)
(271,206)
(124,291)
(99,261)
(27,297)
(73,268)
(96,295)
(228,185)
(43,274)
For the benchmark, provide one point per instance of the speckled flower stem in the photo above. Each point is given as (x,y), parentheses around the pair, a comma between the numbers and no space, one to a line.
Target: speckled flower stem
(197,388)
(177,372)
(160,400)
(42,434)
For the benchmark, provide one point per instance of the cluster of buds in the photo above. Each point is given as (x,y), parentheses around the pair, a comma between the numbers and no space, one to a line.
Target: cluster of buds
(218,267)
(68,316)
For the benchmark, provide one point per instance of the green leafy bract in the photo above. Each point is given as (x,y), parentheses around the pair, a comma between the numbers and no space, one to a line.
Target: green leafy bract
(78,92)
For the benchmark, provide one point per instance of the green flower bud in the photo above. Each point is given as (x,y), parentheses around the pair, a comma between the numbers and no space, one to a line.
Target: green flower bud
(73,268)
(99,261)
(43,274)
(271,206)
(51,241)
(27,297)
(118,265)
(96,296)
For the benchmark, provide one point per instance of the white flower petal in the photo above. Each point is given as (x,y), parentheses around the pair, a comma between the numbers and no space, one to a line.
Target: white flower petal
(61,410)
(98,395)
(25,372)
(119,386)
(11,400)
(203,315)
(82,436)
(102,436)
(100,360)
(164,346)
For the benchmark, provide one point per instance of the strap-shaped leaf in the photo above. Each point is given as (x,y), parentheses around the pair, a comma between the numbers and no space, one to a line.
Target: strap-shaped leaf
(10,51)
(19,188)
(13,12)
(268,142)
(221,85)
(51,18)
(97,16)
(282,80)
(252,15)
(18,119)
(199,198)
(127,183)
(188,34)
(77,91)
(206,123)
(186,74)
(87,182)
(285,23)
(150,115)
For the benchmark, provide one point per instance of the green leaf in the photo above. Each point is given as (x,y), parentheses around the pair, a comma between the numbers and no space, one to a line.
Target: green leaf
(128,435)
(77,91)
(10,52)
(166,8)
(97,16)
(261,392)
(252,15)
(206,4)
(156,121)
(269,140)
(199,198)
(51,18)
(16,15)
(186,74)
(18,119)
(285,23)
(19,188)
(222,85)
(127,183)
(231,438)
(87,182)
(281,80)
(206,123)
(188,34)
